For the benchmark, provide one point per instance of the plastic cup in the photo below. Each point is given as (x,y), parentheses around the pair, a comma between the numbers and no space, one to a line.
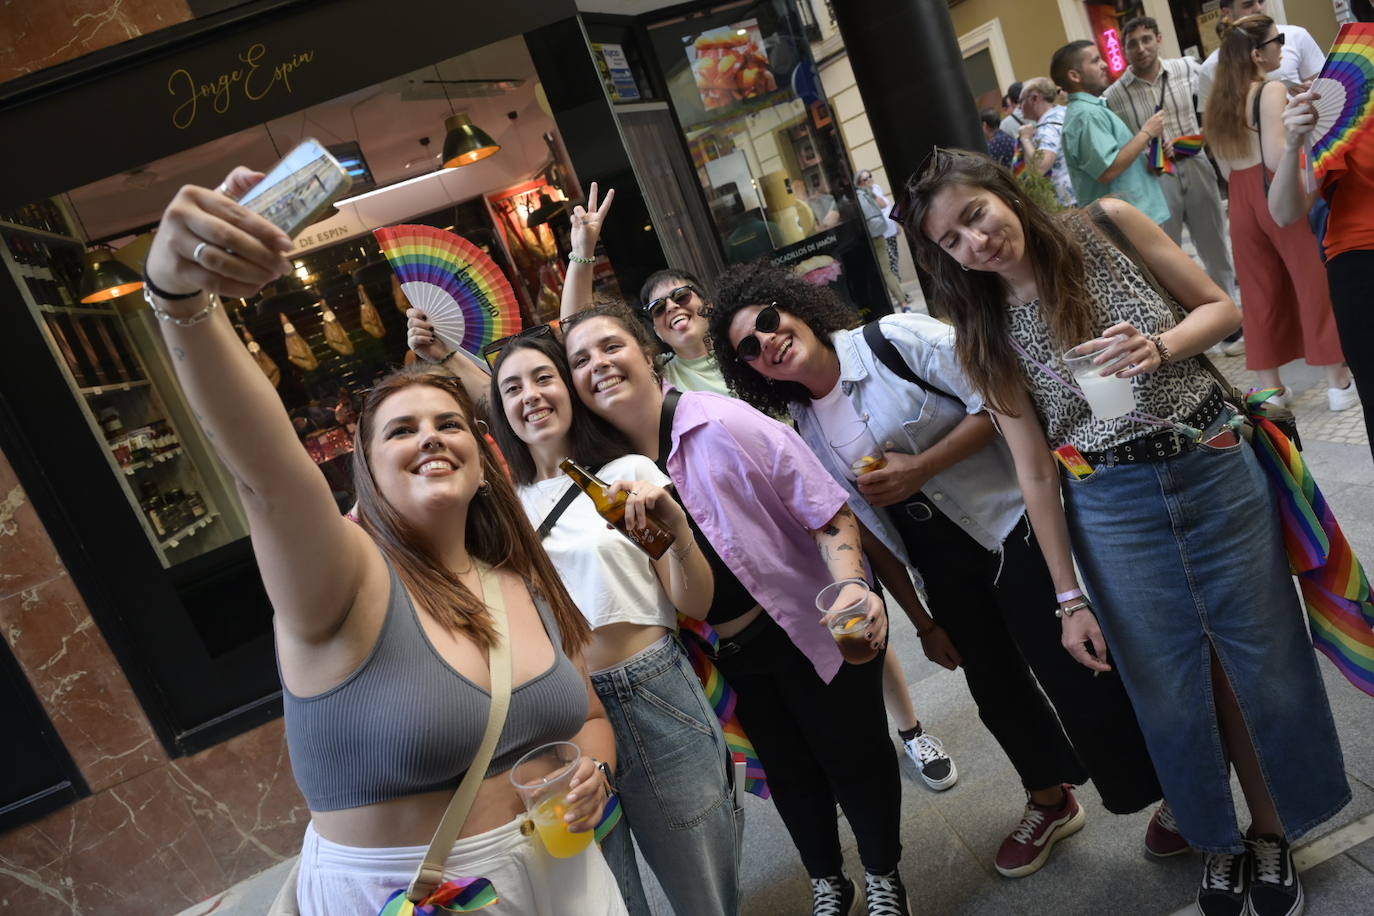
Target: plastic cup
(857,448)
(1108,396)
(543,778)
(847,622)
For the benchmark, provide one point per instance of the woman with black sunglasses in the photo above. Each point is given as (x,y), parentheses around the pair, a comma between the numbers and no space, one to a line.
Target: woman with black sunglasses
(945,500)
(777,531)
(672,769)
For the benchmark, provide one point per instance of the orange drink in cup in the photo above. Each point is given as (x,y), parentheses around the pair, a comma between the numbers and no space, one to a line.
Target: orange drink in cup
(844,610)
(857,448)
(543,778)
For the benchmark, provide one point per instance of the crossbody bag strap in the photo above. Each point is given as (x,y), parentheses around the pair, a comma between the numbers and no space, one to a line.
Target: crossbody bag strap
(887,354)
(665,427)
(431,872)
(1104,222)
(556,512)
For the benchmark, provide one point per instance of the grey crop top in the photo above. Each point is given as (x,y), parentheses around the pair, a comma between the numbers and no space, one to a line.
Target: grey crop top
(406,722)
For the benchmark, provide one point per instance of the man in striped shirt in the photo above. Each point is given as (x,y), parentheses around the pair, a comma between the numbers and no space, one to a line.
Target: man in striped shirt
(1150,85)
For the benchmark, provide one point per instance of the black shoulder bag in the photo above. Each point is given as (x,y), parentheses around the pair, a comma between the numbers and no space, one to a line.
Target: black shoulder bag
(887,354)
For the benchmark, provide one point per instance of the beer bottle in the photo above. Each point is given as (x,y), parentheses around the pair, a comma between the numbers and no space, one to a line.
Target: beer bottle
(653,539)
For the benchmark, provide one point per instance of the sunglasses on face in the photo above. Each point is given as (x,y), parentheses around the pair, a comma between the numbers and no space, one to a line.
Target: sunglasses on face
(749,348)
(492,351)
(680,296)
(1269,41)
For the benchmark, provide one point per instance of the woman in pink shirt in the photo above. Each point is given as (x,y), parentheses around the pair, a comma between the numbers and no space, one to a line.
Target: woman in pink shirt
(765,508)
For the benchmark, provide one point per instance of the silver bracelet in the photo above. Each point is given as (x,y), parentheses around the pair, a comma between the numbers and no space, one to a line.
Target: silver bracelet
(680,552)
(188,321)
(1072,609)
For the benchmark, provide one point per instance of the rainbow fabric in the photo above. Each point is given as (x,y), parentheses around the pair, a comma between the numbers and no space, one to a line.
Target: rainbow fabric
(722,700)
(1159,162)
(610,816)
(1018,161)
(1350,63)
(441,270)
(1187,145)
(461,895)
(1333,583)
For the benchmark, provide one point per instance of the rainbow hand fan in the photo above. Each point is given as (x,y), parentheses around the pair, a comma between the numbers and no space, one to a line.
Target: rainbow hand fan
(459,289)
(1346,87)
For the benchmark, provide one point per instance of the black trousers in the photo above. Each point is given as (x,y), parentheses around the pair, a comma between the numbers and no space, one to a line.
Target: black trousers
(1002,622)
(821,743)
(1350,277)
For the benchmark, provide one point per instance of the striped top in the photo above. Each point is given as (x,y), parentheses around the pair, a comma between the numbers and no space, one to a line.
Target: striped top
(406,722)
(1135,99)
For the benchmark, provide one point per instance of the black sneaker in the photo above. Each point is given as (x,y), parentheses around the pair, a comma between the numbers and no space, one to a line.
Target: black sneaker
(833,896)
(1274,886)
(1223,885)
(885,894)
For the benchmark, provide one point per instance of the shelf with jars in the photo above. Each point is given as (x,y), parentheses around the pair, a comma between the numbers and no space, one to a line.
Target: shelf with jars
(107,366)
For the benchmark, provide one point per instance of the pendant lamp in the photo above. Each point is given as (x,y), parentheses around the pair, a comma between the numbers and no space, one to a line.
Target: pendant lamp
(465,142)
(105,278)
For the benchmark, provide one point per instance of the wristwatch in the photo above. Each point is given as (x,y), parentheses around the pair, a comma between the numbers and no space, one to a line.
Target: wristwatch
(605,769)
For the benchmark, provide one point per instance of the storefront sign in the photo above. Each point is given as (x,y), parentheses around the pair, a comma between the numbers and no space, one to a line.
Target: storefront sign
(257,74)
(1111,49)
(615,71)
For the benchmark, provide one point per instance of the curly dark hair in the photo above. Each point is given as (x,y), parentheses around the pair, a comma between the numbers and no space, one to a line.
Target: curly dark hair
(760,283)
(593,441)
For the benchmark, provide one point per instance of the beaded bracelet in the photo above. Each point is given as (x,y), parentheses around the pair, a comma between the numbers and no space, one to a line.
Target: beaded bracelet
(1164,355)
(578,259)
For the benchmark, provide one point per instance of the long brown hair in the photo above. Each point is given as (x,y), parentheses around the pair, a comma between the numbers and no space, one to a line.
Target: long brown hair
(974,301)
(498,531)
(1226,122)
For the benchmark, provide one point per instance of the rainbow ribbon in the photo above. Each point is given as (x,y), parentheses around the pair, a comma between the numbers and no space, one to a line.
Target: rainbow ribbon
(1161,163)
(722,699)
(1187,145)
(1334,587)
(461,895)
(1018,161)
(610,816)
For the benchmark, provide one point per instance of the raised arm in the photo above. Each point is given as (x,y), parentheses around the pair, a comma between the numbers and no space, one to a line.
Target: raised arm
(1289,201)
(1038,475)
(427,345)
(586,231)
(310,556)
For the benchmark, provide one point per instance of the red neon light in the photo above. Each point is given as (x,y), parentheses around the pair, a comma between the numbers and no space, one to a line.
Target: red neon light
(1111,47)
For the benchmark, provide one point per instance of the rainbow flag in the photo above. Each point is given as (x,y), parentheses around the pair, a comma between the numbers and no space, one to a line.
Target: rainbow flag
(1333,583)
(461,895)
(1187,145)
(1161,163)
(722,700)
(1018,161)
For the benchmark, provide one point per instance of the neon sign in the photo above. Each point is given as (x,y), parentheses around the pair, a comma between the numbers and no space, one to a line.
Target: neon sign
(1111,47)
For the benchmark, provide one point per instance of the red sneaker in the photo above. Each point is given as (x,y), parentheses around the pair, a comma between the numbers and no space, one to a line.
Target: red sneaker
(1161,836)
(1028,847)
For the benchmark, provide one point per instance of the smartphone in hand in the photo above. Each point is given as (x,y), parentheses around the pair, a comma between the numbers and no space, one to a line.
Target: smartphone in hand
(298,188)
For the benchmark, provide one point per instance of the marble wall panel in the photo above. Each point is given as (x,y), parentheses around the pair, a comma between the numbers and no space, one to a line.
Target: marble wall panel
(79,682)
(27,556)
(35,34)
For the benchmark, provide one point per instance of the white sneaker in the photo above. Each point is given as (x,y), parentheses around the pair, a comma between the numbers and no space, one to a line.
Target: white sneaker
(1234,347)
(928,753)
(1343,398)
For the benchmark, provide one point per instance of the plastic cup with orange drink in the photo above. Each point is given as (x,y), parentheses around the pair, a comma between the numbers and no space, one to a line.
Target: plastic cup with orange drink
(857,447)
(543,778)
(844,611)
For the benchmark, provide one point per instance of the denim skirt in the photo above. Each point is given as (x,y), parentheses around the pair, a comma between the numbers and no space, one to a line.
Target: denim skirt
(1180,558)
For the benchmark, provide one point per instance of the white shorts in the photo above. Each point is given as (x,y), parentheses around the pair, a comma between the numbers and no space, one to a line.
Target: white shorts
(338,880)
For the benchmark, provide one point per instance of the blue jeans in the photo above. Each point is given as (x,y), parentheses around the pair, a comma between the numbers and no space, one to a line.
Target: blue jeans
(1184,557)
(674,783)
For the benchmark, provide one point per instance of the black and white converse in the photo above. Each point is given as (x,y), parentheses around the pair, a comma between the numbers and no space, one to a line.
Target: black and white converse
(1223,885)
(885,895)
(834,896)
(1274,886)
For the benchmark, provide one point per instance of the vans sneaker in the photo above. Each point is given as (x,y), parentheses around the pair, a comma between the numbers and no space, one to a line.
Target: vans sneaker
(1161,836)
(1274,886)
(1224,879)
(928,753)
(834,896)
(1029,845)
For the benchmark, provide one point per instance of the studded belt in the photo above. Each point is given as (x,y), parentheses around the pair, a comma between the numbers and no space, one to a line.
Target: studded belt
(1162,445)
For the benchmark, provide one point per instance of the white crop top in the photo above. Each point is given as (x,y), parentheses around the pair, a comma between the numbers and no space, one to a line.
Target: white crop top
(609,578)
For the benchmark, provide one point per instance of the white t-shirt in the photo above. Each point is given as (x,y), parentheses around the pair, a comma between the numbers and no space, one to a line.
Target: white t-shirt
(1302,58)
(839,422)
(609,578)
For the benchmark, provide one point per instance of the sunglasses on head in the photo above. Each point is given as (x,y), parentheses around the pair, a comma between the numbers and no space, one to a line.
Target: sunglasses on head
(492,351)
(901,208)
(680,296)
(749,348)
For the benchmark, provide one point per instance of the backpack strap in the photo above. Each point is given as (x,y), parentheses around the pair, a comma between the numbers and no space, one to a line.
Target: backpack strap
(887,354)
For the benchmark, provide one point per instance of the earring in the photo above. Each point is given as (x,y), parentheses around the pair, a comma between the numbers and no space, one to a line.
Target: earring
(483,488)
(963,268)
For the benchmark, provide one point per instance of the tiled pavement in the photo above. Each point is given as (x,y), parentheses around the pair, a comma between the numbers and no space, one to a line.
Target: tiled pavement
(949,839)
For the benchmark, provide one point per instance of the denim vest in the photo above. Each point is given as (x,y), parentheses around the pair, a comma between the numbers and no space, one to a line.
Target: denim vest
(981,493)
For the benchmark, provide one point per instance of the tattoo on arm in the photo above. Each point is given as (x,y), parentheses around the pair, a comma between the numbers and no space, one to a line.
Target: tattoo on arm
(179,353)
(830,531)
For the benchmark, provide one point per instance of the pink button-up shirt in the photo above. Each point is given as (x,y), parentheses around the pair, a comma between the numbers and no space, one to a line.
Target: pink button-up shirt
(757,492)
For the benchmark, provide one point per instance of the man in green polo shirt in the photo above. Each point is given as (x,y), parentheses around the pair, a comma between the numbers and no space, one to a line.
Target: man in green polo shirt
(1103,156)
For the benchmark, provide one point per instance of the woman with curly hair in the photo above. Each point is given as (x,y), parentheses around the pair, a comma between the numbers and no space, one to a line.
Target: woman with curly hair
(947,502)
(765,512)
(1165,509)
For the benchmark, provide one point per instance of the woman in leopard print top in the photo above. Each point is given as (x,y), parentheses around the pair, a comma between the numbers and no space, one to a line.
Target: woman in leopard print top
(1179,547)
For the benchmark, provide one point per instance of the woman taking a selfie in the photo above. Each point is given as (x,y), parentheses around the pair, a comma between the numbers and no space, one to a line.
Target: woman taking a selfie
(1169,515)
(765,509)
(383,627)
